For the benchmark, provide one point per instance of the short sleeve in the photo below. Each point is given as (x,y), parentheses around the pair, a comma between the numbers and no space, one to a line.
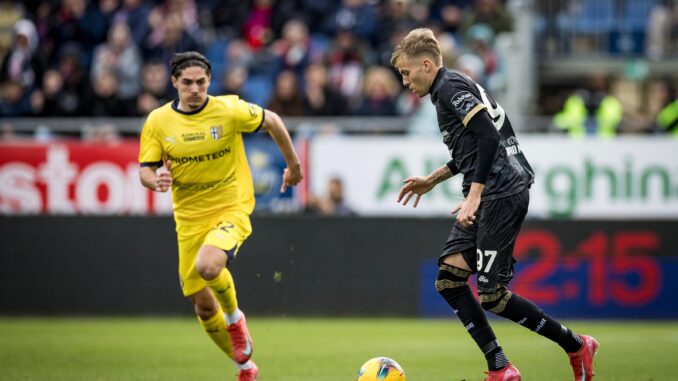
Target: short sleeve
(462,102)
(249,116)
(150,149)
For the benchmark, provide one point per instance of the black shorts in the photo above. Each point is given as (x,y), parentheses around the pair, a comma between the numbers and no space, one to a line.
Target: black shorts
(487,245)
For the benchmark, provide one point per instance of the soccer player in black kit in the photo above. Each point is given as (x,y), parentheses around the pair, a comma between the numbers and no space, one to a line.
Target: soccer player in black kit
(483,147)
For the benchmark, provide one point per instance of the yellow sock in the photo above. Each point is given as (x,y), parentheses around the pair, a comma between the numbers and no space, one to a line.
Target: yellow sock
(224,290)
(216,330)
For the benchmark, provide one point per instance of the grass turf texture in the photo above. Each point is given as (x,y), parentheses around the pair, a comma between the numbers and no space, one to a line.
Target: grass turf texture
(169,349)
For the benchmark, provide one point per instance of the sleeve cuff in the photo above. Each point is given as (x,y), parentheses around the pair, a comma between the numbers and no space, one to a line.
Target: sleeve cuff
(151,164)
(263,116)
(453,168)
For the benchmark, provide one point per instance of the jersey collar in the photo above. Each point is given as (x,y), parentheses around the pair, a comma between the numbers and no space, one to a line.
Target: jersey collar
(175,107)
(436,83)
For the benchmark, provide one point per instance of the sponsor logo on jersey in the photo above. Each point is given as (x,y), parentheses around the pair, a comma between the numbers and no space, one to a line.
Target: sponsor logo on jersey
(193,136)
(200,158)
(463,101)
(512,146)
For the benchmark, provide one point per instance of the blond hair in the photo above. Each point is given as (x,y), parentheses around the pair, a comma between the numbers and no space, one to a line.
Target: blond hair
(419,42)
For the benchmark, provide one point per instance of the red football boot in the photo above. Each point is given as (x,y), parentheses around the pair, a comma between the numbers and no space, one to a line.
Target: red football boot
(582,360)
(507,373)
(241,340)
(249,374)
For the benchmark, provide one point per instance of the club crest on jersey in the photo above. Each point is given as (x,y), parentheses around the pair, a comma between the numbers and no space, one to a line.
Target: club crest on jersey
(217,132)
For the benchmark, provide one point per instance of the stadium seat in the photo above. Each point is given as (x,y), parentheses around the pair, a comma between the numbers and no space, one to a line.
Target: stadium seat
(629,34)
(258,89)
(215,53)
(594,17)
(636,13)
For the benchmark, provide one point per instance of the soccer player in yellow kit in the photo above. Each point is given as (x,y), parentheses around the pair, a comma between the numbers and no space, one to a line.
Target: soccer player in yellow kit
(198,140)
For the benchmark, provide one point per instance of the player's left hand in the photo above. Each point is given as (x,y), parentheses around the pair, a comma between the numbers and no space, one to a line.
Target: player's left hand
(466,211)
(291,177)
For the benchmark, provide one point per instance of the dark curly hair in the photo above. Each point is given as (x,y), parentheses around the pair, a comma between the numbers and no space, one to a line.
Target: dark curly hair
(181,61)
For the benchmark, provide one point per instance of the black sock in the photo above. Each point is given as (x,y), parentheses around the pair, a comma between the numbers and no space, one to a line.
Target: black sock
(527,314)
(451,284)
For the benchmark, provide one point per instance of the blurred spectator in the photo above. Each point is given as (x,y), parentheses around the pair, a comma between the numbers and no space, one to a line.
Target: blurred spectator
(667,117)
(174,38)
(11,12)
(359,16)
(256,30)
(448,14)
(74,26)
(286,99)
(44,25)
(473,66)
(397,15)
(120,56)
(449,48)
(135,14)
(104,100)
(590,110)
(97,21)
(333,203)
(228,16)
(186,9)
(380,91)
(238,53)
(14,101)
(662,29)
(317,13)
(490,12)
(21,64)
(146,103)
(49,99)
(319,99)
(345,62)
(234,81)
(155,90)
(74,84)
(480,42)
(294,48)
(154,81)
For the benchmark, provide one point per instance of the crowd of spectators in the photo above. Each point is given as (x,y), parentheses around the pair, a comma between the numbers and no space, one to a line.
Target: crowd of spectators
(109,58)
(297,57)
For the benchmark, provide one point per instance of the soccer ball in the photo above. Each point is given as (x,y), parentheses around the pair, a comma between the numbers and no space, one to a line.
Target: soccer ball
(381,369)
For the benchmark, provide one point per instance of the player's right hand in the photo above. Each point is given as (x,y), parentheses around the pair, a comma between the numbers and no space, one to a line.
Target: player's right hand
(291,177)
(164,180)
(414,185)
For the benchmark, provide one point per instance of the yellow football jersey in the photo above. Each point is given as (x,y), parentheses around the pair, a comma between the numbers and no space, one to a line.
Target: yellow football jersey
(210,173)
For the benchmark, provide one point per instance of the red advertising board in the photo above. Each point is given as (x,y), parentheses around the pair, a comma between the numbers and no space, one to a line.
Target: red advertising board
(75,177)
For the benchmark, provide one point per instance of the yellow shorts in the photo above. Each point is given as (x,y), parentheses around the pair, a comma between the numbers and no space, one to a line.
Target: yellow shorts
(228,232)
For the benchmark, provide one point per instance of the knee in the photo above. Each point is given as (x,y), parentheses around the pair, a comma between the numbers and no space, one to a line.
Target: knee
(451,279)
(204,307)
(208,266)
(495,302)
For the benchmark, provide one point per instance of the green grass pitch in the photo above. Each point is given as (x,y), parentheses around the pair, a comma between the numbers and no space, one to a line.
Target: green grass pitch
(286,349)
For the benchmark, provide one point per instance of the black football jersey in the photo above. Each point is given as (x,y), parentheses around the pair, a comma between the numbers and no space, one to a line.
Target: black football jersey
(457,99)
